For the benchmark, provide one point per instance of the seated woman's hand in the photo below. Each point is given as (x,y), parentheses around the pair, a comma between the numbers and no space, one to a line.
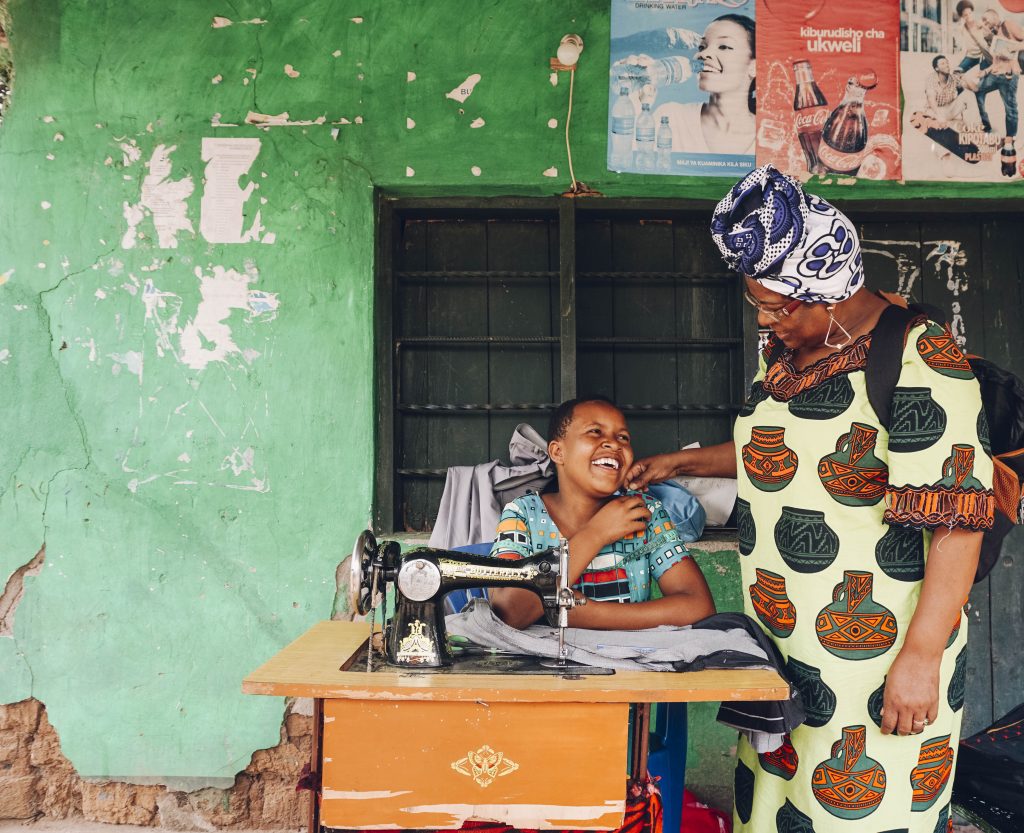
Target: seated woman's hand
(618,518)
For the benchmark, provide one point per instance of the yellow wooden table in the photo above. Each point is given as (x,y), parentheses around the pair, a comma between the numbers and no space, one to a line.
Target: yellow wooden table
(398,749)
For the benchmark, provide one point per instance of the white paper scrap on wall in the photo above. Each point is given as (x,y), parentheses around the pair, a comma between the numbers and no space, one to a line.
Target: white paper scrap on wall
(221,209)
(465,89)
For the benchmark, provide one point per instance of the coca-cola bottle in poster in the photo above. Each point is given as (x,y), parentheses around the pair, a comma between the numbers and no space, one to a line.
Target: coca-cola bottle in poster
(811,111)
(846,129)
(828,95)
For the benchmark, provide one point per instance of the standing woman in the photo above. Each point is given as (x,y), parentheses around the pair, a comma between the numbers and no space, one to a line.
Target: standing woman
(858,547)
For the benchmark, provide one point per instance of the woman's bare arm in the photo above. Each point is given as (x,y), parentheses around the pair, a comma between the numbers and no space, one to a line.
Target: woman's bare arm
(912,685)
(712,461)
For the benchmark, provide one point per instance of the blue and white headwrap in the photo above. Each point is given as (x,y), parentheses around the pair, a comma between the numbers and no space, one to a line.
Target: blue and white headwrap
(794,243)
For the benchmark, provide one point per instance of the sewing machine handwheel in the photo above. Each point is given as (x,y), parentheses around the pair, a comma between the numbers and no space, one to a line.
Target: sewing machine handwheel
(360,579)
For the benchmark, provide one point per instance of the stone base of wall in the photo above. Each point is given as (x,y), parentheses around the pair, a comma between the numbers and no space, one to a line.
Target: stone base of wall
(37,781)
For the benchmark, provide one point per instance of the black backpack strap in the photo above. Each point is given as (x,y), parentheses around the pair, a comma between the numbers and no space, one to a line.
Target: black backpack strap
(776,351)
(885,358)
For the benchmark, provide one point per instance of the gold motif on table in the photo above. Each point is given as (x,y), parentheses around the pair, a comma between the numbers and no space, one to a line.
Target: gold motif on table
(484,765)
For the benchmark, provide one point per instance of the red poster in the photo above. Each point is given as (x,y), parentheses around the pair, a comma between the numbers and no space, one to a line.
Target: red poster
(828,87)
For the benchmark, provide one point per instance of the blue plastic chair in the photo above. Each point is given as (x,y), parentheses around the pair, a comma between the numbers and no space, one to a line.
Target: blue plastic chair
(457,599)
(669,761)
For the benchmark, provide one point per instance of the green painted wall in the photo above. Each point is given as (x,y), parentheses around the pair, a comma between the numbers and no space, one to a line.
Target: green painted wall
(196,456)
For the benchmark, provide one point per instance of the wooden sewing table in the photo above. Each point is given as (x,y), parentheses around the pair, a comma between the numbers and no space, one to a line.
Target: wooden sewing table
(400,750)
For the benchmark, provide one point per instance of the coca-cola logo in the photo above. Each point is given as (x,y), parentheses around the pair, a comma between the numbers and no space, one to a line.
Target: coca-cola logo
(839,162)
(811,119)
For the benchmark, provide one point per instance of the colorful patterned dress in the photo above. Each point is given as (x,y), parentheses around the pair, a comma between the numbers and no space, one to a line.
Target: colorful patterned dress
(835,519)
(622,572)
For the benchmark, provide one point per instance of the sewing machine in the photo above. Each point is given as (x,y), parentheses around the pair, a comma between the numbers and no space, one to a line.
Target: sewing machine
(415,635)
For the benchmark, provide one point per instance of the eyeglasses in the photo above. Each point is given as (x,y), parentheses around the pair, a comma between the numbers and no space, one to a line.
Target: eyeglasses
(776,314)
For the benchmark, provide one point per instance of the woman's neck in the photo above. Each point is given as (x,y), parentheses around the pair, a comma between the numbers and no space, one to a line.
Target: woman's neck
(571,510)
(729,111)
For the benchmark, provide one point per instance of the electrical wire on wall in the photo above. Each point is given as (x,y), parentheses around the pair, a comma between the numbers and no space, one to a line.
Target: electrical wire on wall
(568,56)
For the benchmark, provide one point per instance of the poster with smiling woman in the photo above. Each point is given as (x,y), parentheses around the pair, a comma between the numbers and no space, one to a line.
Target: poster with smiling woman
(681,97)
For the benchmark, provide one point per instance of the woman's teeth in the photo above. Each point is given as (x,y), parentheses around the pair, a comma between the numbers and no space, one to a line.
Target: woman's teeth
(607,463)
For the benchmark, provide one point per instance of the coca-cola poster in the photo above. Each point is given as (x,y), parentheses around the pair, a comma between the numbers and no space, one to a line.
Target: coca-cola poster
(682,87)
(961,65)
(828,87)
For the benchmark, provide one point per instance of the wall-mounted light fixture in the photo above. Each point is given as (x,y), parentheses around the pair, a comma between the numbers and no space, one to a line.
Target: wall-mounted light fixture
(565,60)
(568,53)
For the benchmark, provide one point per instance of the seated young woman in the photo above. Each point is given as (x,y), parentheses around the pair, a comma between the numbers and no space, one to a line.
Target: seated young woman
(620,542)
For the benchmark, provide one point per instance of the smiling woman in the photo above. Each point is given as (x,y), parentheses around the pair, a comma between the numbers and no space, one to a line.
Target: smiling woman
(725,122)
(620,543)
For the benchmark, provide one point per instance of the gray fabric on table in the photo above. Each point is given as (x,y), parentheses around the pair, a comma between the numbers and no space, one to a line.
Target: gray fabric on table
(652,649)
(721,641)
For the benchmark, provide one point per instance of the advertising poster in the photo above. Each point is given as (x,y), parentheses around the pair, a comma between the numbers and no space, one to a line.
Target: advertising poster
(961,64)
(681,96)
(828,87)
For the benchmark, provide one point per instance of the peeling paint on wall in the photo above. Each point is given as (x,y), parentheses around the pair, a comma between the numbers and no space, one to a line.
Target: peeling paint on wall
(207,337)
(280,120)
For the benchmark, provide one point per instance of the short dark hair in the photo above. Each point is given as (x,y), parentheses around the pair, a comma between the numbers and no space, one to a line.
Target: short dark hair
(962,6)
(936,59)
(562,415)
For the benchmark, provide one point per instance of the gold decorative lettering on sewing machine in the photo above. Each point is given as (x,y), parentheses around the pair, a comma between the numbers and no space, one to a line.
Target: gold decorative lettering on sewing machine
(417,648)
(414,634)
(484,765)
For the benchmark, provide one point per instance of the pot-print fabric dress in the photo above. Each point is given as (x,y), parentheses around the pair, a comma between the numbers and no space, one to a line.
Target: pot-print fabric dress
(835,519)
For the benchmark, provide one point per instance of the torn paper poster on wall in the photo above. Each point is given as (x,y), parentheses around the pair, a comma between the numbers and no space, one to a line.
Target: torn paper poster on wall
(221,210)
(162,199)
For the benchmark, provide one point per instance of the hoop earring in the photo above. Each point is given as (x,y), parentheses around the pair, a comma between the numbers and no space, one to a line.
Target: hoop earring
(832,321)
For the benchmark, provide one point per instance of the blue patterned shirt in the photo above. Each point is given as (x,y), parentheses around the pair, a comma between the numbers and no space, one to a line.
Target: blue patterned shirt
(621,571)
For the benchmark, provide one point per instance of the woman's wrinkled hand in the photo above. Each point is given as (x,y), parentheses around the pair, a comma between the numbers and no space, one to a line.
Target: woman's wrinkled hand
(911,699)
(651,470)
(619,518)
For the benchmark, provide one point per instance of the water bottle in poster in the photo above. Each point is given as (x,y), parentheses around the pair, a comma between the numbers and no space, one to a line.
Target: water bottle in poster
(682,87)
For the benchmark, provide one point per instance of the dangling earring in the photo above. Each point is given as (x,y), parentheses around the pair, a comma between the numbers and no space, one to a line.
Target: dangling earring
(832,321)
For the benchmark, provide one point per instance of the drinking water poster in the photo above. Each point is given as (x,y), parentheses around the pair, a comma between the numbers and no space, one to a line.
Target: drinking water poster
(682,87)
(961,63)
(828,91)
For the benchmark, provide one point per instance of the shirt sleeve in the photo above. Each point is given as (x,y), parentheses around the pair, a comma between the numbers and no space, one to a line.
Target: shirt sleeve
(940,473)
(665,548)
(512,541)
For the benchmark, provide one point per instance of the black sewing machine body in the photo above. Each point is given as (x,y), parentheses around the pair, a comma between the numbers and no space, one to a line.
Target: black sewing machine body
(414,635)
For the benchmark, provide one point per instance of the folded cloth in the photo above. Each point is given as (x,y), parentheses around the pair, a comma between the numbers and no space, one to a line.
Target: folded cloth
(730,642)
(762,722)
